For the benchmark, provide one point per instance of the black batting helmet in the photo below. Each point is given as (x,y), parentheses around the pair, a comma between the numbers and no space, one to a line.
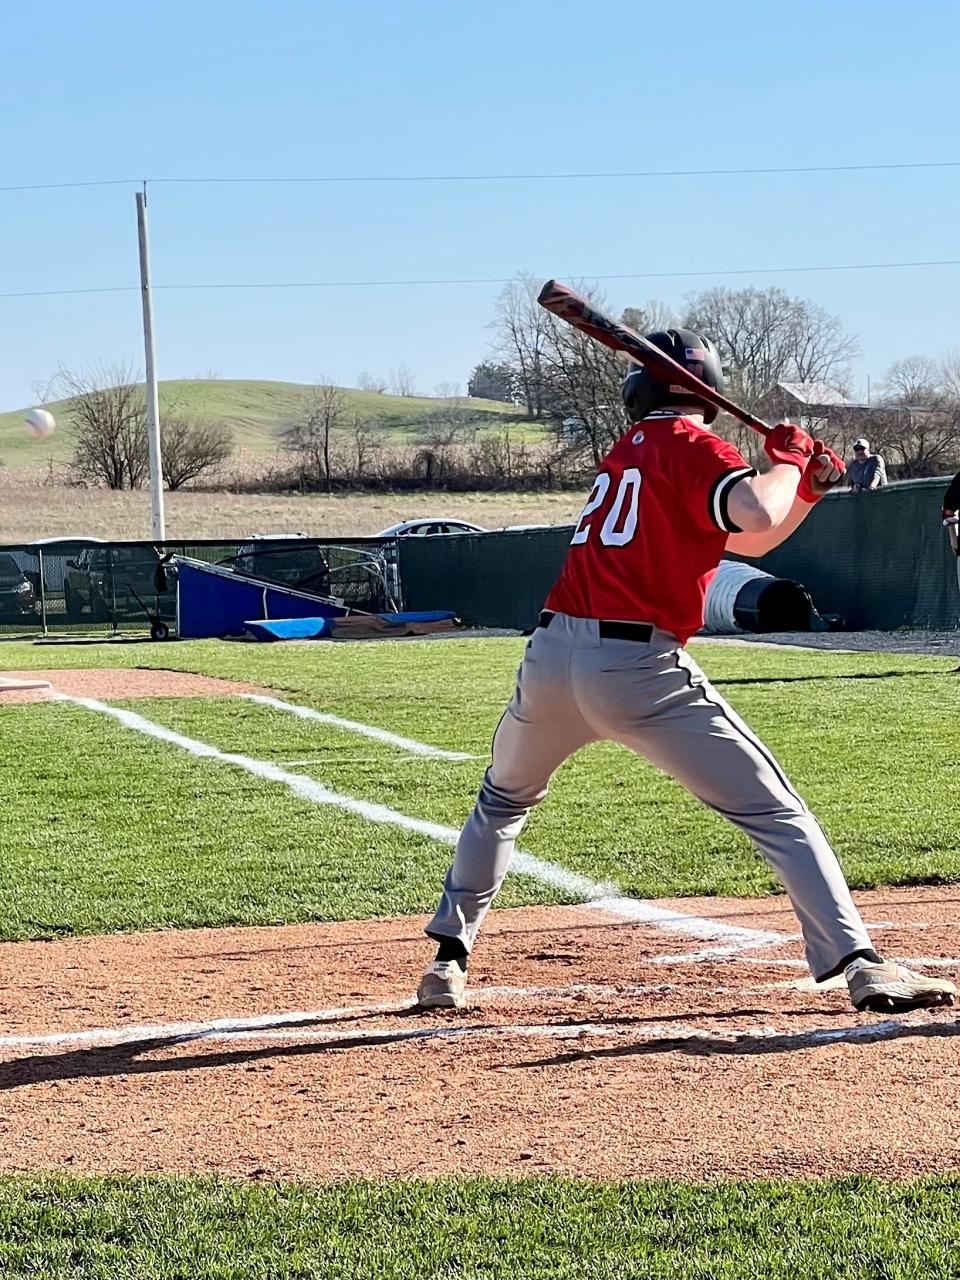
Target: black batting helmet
(643,392)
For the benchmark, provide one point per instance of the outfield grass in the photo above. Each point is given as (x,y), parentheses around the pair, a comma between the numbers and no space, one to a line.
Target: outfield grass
(103,829)
(537,1229)
(255,412)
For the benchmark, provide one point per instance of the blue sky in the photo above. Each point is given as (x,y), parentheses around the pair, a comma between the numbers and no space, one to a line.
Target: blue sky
(109,90)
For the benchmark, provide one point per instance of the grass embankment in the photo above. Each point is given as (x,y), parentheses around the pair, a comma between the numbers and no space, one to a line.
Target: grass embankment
(256,412)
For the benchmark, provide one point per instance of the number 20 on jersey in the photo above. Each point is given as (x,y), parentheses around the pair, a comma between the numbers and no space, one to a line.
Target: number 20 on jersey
(620,524)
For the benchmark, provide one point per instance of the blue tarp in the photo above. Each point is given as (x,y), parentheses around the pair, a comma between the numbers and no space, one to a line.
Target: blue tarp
(216,602)
(323,628)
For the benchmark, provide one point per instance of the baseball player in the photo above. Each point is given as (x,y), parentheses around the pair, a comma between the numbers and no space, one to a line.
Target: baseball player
(607,662)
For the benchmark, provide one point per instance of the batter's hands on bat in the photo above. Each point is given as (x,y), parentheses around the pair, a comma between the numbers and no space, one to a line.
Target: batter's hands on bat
(823,472)
(788,443)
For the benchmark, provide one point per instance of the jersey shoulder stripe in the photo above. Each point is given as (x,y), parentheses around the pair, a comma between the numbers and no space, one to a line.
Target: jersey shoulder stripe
(719,497)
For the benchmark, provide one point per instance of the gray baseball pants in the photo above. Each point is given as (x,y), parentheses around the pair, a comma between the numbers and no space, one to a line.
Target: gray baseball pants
(574,687)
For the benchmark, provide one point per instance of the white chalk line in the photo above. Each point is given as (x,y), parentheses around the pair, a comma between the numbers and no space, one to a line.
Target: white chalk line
(737,957)
(300,1024)
(602,897)
(410,745)
(291,1019)
(672,1031)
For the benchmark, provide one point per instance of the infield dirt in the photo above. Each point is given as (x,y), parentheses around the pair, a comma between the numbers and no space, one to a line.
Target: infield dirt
(592,1047)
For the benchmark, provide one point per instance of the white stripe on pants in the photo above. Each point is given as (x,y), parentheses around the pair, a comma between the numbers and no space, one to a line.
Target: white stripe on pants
(573,688)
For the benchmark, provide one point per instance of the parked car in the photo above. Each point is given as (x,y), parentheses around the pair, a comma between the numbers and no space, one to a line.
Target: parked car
(429,527)
(105,581)
(18,598)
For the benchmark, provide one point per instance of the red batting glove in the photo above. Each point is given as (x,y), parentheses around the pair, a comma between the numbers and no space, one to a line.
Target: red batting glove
(823,471)
(788,443)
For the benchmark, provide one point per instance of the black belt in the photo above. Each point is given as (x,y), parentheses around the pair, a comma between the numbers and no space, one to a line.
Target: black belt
(610,630)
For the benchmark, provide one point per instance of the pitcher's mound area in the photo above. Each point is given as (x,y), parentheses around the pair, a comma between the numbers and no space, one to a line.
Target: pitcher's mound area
(592,1046)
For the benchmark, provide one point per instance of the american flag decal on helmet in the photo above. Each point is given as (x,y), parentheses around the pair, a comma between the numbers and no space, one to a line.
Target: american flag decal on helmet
(695,353)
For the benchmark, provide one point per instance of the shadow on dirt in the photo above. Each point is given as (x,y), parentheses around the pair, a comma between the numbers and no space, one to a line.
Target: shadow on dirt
(133,1057)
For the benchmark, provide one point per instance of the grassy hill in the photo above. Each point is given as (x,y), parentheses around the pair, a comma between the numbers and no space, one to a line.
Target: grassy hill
(255,412)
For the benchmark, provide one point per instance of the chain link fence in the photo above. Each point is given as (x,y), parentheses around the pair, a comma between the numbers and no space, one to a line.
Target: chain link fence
(86,586)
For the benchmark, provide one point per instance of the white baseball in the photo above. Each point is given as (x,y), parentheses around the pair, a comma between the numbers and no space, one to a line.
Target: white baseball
(40,422)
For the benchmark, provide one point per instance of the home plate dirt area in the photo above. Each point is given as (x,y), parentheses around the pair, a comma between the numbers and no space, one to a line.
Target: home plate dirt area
(592,1046)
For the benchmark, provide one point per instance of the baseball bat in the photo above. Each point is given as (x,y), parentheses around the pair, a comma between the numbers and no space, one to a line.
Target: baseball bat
(562,302)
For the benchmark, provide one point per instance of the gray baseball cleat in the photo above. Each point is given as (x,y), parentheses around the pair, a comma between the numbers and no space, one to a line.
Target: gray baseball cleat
(889,987)
(443,986)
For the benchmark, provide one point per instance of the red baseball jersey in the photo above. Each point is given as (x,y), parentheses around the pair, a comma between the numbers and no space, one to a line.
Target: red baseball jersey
(654,528)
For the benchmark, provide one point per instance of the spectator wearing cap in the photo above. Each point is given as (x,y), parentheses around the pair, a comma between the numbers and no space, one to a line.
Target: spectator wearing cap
(867,470)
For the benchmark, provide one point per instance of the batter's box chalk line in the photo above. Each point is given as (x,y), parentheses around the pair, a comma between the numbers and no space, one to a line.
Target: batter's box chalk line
(301,1026)
(593,894)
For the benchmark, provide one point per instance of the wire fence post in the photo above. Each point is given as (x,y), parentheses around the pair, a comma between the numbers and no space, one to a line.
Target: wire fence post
(43,591)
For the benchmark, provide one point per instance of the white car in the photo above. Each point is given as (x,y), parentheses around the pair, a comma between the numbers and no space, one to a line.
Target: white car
(428,527)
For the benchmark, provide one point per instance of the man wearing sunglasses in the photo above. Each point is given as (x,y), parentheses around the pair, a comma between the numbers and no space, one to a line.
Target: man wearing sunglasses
(867,470)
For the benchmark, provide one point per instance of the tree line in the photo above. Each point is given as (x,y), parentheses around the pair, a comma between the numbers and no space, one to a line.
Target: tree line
(558,376)
(554,376)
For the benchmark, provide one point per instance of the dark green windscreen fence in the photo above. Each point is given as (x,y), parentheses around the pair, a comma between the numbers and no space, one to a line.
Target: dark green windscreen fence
(880,560)
(489,579)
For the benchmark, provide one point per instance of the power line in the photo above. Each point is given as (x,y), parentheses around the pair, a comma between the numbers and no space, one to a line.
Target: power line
(499,177)
(477,280)
(60,186)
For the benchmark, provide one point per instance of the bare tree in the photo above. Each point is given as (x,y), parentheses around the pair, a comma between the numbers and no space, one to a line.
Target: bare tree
(916,425)
(401,382)
(368,439)
(447,422)
(519,328)
(108,414)
(310,438)
(371,382)
(446,391)
(765,336)
(559,373)
(653,317)
(582,390)
(192,448)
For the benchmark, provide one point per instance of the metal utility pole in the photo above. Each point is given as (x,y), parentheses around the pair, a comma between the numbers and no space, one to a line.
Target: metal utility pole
(153,399)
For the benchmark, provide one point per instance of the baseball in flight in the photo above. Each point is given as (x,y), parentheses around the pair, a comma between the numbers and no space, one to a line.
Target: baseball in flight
(40,422)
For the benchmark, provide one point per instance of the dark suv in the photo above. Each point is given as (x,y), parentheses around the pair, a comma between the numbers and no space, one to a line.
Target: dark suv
(18,598)
(105,581)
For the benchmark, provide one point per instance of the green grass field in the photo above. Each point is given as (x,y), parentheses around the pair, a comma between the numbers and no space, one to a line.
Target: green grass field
(103,829)
(548,1229)
(255,412)
(214,845)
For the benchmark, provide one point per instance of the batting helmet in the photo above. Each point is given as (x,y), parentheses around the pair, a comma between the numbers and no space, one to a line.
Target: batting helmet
(643,392)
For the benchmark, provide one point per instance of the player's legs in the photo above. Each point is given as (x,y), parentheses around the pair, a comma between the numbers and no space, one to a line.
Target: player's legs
(539,730)
(661,705)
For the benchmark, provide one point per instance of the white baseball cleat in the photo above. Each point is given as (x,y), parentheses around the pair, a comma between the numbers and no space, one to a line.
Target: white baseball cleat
(889,987)
(443,986)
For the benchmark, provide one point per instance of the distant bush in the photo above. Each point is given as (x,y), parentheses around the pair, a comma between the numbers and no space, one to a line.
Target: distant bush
(489,463)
